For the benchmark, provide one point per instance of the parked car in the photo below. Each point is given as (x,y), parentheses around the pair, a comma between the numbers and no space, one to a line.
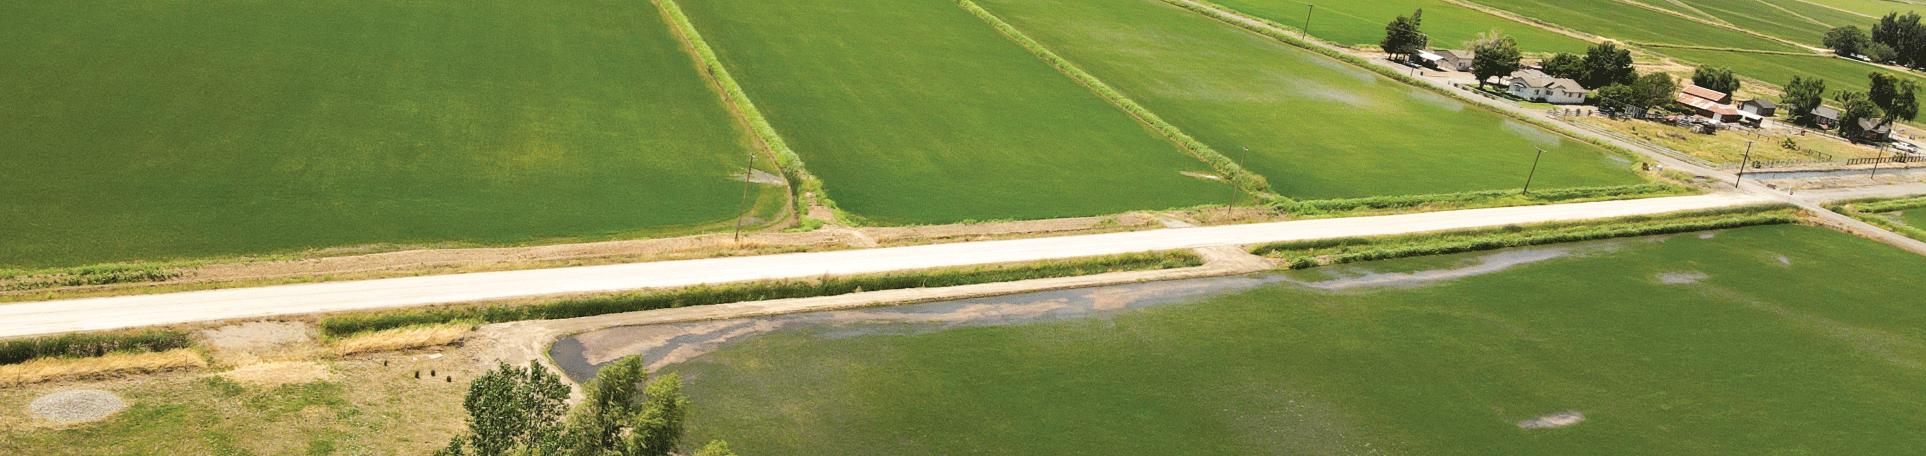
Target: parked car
(1906,147)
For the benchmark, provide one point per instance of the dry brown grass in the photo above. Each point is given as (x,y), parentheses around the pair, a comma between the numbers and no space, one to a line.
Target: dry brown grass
(402,338)
(41,370)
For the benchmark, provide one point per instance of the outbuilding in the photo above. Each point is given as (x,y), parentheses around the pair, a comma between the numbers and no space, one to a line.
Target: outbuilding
(1759,107)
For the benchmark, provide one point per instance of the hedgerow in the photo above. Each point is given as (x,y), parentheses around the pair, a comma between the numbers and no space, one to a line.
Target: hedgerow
(350,324)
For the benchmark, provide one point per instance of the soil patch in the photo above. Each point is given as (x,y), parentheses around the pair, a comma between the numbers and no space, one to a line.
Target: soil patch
(276,374)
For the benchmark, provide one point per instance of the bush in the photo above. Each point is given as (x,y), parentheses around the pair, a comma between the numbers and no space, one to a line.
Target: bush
(91,345)
(344,325)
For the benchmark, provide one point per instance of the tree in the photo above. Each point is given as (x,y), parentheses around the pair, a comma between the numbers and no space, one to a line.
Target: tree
(1880,52)
(1606,64)
(1802,96)
(1846,41)
(1617,100)
(1565,66)
(1493,54)
(1715,78)
(512,410)
(1905,35)
(617,418)
(1857,106)
(1656,89)
(1894,96)
(1402,35)
(716,448)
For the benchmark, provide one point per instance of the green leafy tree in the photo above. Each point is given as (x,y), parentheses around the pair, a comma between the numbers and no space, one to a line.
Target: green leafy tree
(1880,52)
(1606,64)
(1857,106)
(1894,96)
(1846,41)
(716,448)
(1618,100)
(1493,55)
(621,417)
(1905,35)
(512,410)
(1402,36)
(1715,78)
(1656,89)
(1565,66)
(1802,96)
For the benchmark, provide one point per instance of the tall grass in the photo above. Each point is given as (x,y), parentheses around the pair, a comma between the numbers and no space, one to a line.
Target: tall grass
(352,324)
(1244,179)
(91,345)
(45,369)
(1306,254)
(791,163)
(18,280)
(1477,198)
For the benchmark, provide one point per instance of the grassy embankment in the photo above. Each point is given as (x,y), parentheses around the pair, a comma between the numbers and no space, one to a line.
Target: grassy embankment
(917,113)
(1683,344)
(1308,254)
(1910,220)
(1316,127)
(1362,23)
(366,322)
(223,128)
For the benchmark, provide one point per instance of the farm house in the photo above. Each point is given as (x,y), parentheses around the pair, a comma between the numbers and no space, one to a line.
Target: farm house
(1537,86)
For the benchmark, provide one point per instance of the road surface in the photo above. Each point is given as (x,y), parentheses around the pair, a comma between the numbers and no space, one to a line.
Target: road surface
(48,317)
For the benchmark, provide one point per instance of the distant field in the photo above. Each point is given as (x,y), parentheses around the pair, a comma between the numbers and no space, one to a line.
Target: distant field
(1610,18)
(1316,127)
(917,112)
(1793,20)
(151,130)
(1783,340)
(1874,8)
(1778,69)
(1362,23)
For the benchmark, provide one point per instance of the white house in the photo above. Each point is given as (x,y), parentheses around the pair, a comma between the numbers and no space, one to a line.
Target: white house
(1455,60)
(1537,86)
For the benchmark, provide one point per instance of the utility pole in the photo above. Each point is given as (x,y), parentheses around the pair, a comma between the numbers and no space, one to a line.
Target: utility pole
(1307,21)
(1242,164)
(1882,156)
(1742,163)
(743,205)
(1534,170)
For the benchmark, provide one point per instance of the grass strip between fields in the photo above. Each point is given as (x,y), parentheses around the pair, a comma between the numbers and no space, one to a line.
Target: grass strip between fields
(791,163)
(364,322)
(1868,210)
(1730,49)
(1309,254)
(1275,31)
(107,274)
(18,351)
(1473,200)
(1244,179)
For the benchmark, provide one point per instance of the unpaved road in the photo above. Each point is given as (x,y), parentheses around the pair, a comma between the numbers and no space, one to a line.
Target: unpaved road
(49,317)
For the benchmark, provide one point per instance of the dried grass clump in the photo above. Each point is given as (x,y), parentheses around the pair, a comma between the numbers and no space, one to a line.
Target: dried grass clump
(402,338)
(45,369)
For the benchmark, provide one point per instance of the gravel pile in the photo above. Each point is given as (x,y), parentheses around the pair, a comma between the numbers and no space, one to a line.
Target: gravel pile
(78,406)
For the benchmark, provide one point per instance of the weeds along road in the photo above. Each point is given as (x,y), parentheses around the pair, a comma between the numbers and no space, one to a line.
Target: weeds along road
(36,318)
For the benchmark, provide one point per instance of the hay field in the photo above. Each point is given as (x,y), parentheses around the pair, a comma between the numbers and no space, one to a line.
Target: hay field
(157,130)
(1316,127)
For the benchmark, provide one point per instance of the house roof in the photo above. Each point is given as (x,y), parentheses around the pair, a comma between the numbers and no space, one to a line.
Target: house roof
(1873,125)
(1825,113)
(1427,55)
(1538,79)
(1702,92)
(1706,105)
(1761,102)
(1456,54)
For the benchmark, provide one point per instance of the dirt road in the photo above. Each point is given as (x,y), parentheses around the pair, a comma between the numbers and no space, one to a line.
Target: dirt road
(146,310)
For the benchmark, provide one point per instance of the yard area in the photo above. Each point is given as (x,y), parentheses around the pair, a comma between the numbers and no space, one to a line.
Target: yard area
(916,112)
(1728,146)
(1685,344)
(1316,127)
(164,130)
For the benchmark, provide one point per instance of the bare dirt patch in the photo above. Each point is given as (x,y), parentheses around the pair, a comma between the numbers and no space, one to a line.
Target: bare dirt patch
(1682,277)
(251,341)
(76,406)
(278,373)
(1555,420)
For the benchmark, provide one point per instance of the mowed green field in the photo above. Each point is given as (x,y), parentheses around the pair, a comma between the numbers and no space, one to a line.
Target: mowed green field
(1612,19)
(1765,340)
(1793,20)
(1874,8)
(1316,127)
(1778,69)
(1912,217)
(917,112)
(154,130)
(1362,23)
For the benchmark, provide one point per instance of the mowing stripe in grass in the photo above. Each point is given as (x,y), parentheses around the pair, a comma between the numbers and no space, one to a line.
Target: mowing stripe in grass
(363,322)
(792,164)
(1244,179)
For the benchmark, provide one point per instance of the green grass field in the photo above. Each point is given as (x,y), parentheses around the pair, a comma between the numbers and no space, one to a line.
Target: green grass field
(1912,217)
(155,130)
(1610,18)
(1317,127)
(1874,8)
(1778,69)
(1793,20)
(917,112)
(1362,23)
(1765,340)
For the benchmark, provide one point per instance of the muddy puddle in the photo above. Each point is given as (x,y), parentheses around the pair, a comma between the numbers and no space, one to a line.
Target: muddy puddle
(580,356)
